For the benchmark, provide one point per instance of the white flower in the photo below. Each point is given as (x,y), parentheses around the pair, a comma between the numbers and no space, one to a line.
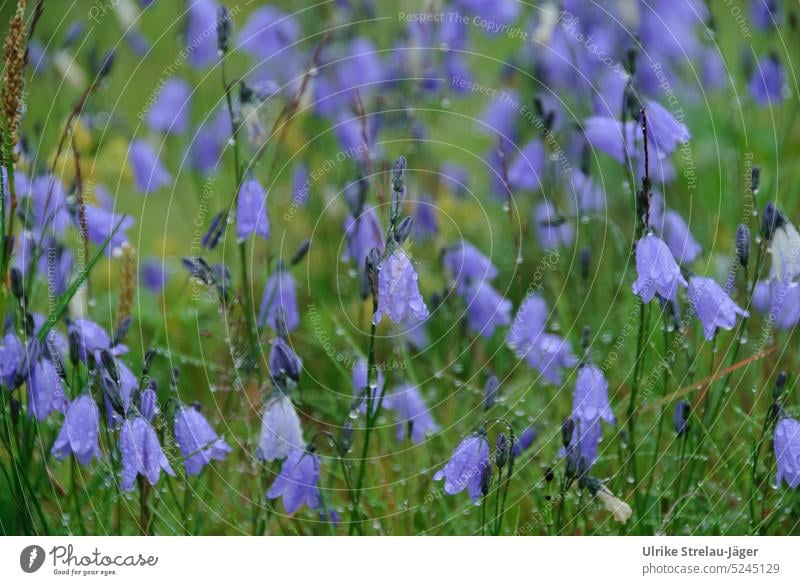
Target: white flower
(785,253)
(621,511)
(280,429)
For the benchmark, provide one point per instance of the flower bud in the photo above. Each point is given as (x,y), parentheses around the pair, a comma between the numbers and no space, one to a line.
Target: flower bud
(490,392)
(486,479)
(300,253)
(501,451)
(223,29)
(584,260)
(771,220)
(780,383)
(17,283)
(403,230)
(681,417)
(743,244)
(567,428)
(755,178)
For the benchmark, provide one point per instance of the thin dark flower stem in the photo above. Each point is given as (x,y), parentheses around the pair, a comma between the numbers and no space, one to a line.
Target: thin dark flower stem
(73,480)
(496,518)
(662,413)
(754,471)
(641,349)
(483,515)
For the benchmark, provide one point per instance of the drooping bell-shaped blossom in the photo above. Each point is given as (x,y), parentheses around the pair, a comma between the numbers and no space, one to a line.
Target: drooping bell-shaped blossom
(91,338)
(464,469)
(279,301)
(713,306)
(362,234)
(590,400)
(148,403)
(664,131)
(606,135)
(281,433)
(486,308)
(466,264)
(767,83)
(12,360)
(45,390)
(267,32)
(524,441)
(43,203)
(80,431)
(360,385)
(284,362)
(656,270)
(101,223)
(297,482)
(586,196)
(456,178)
(251,212)
(785,250)
(414,419)
(141,453)
(170,111)
(551,354)
(205,150)
(500,115)
(399,298)
(201,36)
(584,443)
(527,170)
(56,263)
(679,238)
(153,274)
(553,230)
(787,451)
(197,441)
(766,14)
(149,175)
(780,300)
(528,325)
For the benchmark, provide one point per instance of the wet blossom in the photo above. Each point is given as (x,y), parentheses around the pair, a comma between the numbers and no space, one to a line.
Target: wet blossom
(779,299)
(141,453)
(80,431)
(414,419)
(101,223)
(656,270)
(466,263)
(297,481)
(360,385)
(486,308)
(362,234)
(148,403)
(585,440)
(251,213)
(524,441)
(45,389)
(149,174)
(91,338)
(713,306)
(464,469)
(528,325)
(280,429)
(527,170)
(198,443)
(283,362)
(170,111)
(279,300)
(787,451)
(12,358)
(590,400)
(398,290)
(552,229)
(768,82)
(201,24)
(551,354)
(785,249)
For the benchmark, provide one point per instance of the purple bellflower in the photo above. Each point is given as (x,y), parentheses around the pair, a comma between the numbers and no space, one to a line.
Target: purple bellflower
(398,290)
(279,300)
(80,431)
(251,213)
(45,390)
(197,441)
(149,174)
(656,269)
(467,264)
(551,354)
(413,416)
(713,306)
(170,112)
(768,82)
(280,429)
(486,308)
(362,234)
(590,400)
(552,229)
(528,326)
(360,385)
(201,22)
(297,481)
(141,453)
(465,468)
(12,360)
(787,451)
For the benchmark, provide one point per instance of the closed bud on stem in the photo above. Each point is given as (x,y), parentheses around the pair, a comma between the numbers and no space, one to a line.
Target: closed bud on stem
(683,411)
(74,338)
(549,474)
(300,253)
(486,480)
(567,428)
(372,264)
(780,384)
(403,230)
(149,355)
(585,259)
(743,244)
(755,178)
(17,284)
(223,29)
(770,221)
(501,451)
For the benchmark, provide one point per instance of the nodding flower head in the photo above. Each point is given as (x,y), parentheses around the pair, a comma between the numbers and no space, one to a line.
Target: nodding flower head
(466,264)
(683,411)
(197,441)
(465,468)
(281,433)
(251,212)
(590,400)
(297,481)
(414,419)
(141,453)
(284,364)
(79,432)
(784,245)
(656,270)
(398,290)
(713,306)
(787,451)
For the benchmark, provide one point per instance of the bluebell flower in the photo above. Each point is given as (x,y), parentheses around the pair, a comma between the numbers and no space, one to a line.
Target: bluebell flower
(414,419)
(283,362)
(780,300)
(552,229)
(149,175)
(767,84)
(100,223)
(12,360)
(360,385)
(279,300)
(56,263)
(45,389)
(610,136)
(586,196)
(679,239)
(590,400)
(198,443)
(713,306)
(267,32)
(297,482)
(527,170)
(656,269)
(524,441)
(201,40)
(251,214)
(170,111)
(551,354)
(766,14)
(205,150)
(141,453)
(281,433)
(486,308)
(152,274)
(787,451)
(43,201)
(466,264)
(92,338)
(80,431)
(664,131)
(398,290)
(426,224)
(500,115)
(528,325)
(584,443)
(148,403)
(465,467)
